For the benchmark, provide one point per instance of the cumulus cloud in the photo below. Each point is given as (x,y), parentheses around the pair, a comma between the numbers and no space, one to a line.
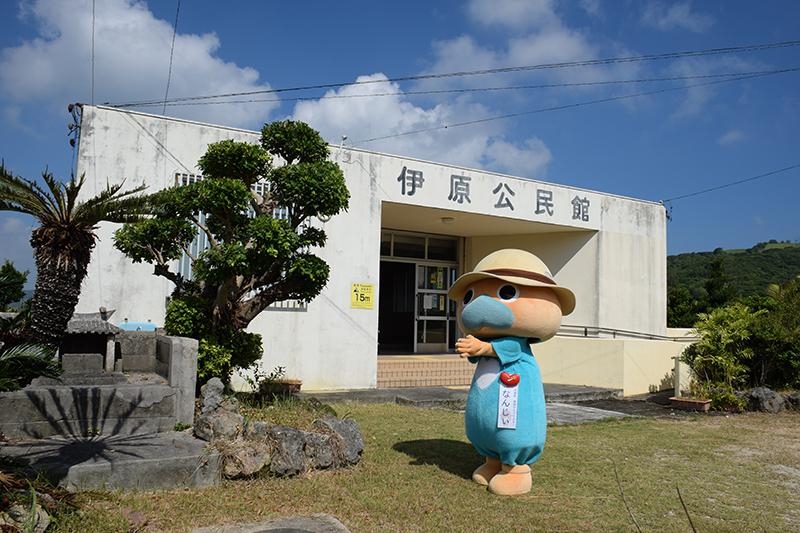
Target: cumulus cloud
(131,62)
(517,14)
(732,137)
(669,16)
(529,160)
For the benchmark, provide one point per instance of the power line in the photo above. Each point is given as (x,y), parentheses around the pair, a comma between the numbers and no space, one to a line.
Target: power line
(481,89)
(566,106)
(171,53)
(593,62)
(731,184)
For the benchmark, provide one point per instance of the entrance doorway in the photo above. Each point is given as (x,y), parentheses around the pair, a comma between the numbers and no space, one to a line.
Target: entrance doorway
(415,315)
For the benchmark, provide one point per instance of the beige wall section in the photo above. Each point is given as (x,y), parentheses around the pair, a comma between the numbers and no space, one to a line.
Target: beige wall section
(630,365)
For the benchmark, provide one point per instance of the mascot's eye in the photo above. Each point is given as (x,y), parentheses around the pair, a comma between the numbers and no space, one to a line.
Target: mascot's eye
(508,293)
(468,297)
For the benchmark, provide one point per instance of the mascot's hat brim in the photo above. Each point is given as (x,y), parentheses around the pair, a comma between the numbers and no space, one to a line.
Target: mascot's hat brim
(514,266)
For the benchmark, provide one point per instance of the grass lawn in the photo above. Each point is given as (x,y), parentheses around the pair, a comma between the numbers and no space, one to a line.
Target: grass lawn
(740,473)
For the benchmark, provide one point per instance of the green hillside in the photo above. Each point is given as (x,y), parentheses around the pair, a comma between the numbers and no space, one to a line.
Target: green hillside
(749,271)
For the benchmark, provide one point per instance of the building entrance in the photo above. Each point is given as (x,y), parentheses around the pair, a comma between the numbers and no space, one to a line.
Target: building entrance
(415,315)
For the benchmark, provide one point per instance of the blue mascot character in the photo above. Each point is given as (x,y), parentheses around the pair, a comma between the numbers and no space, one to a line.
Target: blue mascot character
(507,303)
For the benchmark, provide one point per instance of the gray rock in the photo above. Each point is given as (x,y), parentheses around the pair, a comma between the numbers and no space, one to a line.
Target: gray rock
(793,401)
(318,450)
(244,458)
(219,424)
(211,395)
(256,431)
(765,400)
(347,430)
(287,444)
(19,518)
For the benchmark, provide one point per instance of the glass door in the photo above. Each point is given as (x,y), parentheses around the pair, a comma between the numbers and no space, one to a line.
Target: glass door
(435,324)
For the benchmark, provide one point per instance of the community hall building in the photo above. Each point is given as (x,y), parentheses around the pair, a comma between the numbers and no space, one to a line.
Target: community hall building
(412,228)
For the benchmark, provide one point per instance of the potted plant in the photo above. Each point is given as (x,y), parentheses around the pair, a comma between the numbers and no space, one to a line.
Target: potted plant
(696,401)
(275,383)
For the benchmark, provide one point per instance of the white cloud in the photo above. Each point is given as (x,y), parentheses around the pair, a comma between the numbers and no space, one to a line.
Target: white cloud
(732,137)
(132,54)
(516,14)
(668,16)
(528,161)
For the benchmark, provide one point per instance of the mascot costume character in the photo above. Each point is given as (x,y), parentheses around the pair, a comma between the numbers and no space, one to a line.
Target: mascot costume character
(507,303)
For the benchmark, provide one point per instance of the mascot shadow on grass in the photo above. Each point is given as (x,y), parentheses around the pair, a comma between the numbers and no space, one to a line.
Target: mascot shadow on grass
(507,303)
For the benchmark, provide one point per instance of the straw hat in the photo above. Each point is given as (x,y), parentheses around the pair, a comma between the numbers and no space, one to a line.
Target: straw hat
(514,266)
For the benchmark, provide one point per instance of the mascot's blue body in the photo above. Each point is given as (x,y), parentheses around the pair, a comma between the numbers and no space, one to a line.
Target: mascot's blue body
(514,357)
(507,303)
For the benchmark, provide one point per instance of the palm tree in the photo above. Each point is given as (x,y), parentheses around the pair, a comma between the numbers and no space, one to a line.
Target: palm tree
(63,241)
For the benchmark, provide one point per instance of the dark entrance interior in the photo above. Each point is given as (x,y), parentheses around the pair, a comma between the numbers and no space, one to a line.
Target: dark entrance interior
(396,309)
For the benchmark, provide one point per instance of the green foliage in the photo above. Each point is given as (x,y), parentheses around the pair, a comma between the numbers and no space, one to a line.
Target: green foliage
(227,349)
(753,342)
(750,271)
(722,397)
(723,347)
(21,363)
(189,316)
(253,258)
(12,282)
(229,159)
(219,352)
(293,142)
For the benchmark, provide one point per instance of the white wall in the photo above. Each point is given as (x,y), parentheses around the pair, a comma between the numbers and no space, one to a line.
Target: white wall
(614,259)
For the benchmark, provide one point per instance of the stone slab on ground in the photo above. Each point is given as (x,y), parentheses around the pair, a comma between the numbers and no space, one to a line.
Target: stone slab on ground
(144,463)
(449,397)
(300,524)
(562,413)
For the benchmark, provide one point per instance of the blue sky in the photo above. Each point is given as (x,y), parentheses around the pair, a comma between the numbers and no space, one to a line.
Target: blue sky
(688,133)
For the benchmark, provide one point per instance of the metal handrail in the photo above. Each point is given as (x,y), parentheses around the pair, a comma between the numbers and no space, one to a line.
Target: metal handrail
(569,330)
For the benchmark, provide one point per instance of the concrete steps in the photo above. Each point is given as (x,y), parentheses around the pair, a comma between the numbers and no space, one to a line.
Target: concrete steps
(440,370)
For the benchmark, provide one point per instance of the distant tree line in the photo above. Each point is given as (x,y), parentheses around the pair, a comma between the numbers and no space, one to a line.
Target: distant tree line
(747,323)
(700,282)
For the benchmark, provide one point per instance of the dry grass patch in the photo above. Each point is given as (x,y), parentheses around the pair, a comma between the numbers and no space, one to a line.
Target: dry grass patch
(417,463)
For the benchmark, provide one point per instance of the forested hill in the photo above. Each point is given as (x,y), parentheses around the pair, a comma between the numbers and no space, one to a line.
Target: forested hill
(749,271)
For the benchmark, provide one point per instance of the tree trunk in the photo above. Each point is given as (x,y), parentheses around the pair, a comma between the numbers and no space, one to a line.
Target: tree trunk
(58,286)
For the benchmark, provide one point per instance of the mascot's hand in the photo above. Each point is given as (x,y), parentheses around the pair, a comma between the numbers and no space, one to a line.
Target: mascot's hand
(472,347)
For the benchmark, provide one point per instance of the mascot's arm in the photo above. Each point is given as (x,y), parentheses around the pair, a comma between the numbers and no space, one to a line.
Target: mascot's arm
(472,347)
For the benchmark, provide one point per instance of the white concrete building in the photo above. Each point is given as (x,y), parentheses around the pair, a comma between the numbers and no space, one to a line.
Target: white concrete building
(412,227)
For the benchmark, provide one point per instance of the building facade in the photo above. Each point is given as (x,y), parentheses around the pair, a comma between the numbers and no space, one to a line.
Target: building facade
(412,228)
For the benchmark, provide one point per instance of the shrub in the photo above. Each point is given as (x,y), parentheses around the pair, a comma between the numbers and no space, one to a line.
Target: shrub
(220,352)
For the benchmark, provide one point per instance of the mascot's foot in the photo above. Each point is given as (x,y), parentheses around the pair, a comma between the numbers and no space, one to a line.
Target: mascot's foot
(487,471)
(512,480)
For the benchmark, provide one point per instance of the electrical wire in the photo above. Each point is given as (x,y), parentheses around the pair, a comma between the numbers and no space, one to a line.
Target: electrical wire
(171,54)
(478,89)
(566,106)
(593,62)
(730,184)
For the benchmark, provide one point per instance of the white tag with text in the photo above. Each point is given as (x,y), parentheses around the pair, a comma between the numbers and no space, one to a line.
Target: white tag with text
(507,407)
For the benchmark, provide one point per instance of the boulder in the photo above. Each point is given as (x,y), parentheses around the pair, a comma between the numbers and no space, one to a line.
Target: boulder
(256,431)
(244,458)
(211,395)
(352,443)
(765,400)
(793,401)
(287,446)
(219,424)
(318,450)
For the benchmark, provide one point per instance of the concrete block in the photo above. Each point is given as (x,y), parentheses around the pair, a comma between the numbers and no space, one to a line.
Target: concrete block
(82,363)
(145,463)
(138,363)
(137,342)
